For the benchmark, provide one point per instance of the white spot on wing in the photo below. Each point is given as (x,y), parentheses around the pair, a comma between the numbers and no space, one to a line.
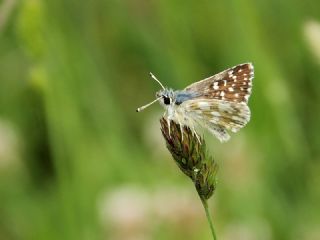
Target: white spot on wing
(203,105)
(224,82)
(236,118)
(214,120)
(234,129)
(216,114)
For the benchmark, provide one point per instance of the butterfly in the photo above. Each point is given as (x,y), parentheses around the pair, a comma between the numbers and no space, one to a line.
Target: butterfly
(218,103)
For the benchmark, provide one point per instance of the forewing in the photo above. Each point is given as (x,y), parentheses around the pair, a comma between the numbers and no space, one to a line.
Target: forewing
(232,85)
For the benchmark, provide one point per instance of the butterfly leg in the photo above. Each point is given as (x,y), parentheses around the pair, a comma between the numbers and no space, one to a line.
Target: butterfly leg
(197,136)
(181,130)
(164,114)
(195,133)
(169,128)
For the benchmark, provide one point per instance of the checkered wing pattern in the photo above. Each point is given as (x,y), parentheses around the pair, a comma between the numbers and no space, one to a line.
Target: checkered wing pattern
(221,102)
(232,85)
(218,116)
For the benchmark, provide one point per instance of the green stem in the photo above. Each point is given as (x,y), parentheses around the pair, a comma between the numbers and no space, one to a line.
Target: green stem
(206,208)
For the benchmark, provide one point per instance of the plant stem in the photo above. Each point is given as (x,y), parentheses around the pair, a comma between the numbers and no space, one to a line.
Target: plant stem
(206,208)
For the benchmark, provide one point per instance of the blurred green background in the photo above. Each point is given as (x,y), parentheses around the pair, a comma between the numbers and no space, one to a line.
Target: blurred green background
(77,161)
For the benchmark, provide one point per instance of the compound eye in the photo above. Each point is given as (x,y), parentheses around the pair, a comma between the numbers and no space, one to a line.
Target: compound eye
(166,100)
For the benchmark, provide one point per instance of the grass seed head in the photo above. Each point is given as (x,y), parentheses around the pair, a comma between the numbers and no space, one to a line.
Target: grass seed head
(191,156)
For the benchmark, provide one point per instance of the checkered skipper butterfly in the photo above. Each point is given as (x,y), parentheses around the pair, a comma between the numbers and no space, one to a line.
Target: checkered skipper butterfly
(217,103)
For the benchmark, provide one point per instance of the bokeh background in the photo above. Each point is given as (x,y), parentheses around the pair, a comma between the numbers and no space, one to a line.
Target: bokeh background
(77,161)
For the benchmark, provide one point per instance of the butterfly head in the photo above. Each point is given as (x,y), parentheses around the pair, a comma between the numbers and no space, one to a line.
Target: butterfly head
(165,96)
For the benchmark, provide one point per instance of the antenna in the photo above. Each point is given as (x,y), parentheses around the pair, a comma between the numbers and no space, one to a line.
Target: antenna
(157,80)
(147,105)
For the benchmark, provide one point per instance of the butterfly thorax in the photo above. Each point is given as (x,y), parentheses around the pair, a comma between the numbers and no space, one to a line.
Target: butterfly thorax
(172,101)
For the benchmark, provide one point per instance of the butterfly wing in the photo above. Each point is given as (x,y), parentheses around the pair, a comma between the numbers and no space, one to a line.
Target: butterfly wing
(220,101)
(218,116)
(233,84)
